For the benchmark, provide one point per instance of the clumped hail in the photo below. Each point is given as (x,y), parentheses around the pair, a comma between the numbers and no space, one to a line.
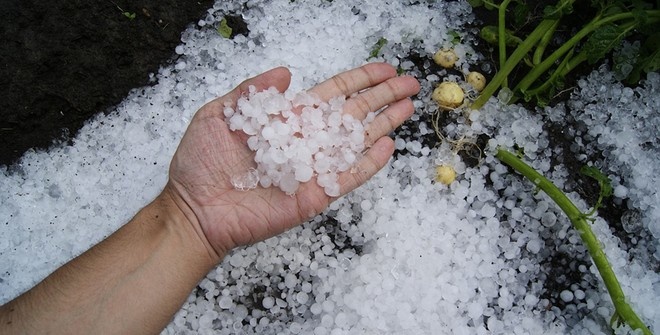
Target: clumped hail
(296,138)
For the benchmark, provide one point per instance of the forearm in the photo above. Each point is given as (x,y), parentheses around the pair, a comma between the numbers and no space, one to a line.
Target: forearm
(131,283)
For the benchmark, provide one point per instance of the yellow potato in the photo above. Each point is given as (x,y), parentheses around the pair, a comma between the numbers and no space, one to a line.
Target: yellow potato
(445,58)
(445,174)
(448,95)
(477,80)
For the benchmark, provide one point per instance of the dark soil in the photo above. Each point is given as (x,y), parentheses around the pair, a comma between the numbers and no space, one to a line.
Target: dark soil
(65,60)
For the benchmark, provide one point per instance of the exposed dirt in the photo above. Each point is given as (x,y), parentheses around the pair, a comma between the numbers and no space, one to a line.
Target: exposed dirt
(65,60)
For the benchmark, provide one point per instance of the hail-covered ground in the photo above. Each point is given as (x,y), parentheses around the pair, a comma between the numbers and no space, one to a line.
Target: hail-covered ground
(403,254)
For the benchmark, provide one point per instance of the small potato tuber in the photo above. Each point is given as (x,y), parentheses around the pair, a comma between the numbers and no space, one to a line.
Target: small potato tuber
(448,95)
(445,58)
(477,80)
(445,174)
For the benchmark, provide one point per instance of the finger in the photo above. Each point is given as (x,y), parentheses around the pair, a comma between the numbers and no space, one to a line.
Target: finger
(374,160)
(388,120)
(385,93)
(352,81)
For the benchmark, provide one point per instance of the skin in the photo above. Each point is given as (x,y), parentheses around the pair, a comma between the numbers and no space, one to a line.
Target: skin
(134,281)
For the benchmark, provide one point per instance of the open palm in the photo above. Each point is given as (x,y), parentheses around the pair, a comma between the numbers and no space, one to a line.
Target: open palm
(210,154)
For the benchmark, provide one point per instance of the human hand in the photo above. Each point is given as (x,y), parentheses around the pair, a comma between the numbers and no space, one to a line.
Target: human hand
(210,154)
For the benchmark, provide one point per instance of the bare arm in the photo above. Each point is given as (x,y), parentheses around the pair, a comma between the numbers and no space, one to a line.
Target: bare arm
(134,281)
(130,283)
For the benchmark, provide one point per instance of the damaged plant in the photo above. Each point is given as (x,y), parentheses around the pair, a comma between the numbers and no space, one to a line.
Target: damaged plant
(623,312)
(544,71)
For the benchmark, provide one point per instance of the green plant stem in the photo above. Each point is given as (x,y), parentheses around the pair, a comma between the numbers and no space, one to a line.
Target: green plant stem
(598,21)
(501,35)
(543,43)
(512,61)
(579,221)
(567,65)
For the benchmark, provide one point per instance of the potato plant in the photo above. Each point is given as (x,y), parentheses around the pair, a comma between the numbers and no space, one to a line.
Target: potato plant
(545,70)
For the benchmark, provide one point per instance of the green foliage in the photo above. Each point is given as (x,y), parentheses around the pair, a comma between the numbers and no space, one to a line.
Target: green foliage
(375,50)
(602,41)
(224,29)
(562,8)
(129,15)
(604,184)
(520,13)
(623,312)
(455,37)
(491,36)
(614,22)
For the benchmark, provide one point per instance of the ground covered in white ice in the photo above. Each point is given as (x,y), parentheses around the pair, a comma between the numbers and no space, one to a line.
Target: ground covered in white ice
(400,255)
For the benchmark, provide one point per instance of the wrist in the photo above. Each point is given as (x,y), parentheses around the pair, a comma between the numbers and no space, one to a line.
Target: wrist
(183,220)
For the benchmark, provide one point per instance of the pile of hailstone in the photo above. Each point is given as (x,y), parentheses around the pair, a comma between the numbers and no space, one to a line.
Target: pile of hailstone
(295,137)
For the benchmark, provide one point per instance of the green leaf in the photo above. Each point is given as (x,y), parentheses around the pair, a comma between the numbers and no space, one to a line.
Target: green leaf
(645,24)
(376,48)
(564,7)
(603,182)
(613,9)
(520,14)
(455,37)
(490,35)
(223,29)
(602,41)
(129,15)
